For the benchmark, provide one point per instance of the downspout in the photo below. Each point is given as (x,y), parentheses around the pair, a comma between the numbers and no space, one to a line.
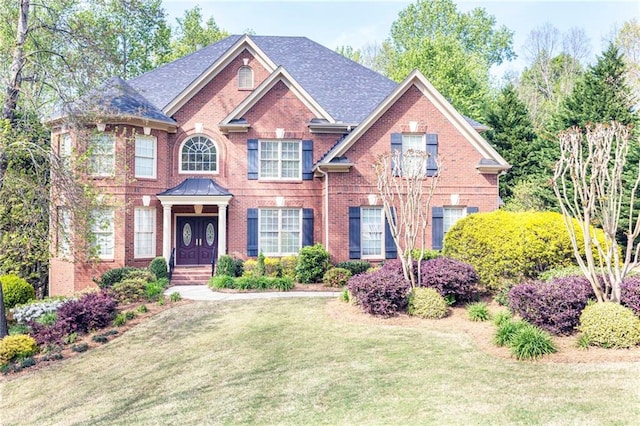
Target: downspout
(325,211)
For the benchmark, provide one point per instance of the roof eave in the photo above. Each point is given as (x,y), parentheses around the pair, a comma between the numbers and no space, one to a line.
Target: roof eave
(340,128)
(492,169)
(234,128)
(121,119)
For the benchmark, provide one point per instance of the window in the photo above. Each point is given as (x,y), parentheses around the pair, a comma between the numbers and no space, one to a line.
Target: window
(144,244)
(280,159)
(102,150)
(103,233)
(65,149)
(279,231)
(63,234)
(372,232)
(199,154)
(413,165)
(145,161)
(245,78)
(451,216)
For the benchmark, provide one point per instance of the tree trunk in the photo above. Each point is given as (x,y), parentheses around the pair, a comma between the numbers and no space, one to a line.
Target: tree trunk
(9,113)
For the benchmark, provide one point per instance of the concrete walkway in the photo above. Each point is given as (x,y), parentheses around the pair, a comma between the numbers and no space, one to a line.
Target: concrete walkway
(202,292)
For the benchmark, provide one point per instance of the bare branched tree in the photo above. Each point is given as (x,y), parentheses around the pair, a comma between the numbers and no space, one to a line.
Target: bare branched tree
(588,181)
(406,194)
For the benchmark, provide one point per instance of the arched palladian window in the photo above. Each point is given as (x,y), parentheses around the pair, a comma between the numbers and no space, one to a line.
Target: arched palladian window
(245,78)
(198,154)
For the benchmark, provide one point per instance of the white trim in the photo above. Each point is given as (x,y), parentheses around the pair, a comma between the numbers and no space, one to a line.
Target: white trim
(243,43)
(240,79)
(381,255)
(199,172)
(92,156)
(279,75)
(152,254)
(454,117)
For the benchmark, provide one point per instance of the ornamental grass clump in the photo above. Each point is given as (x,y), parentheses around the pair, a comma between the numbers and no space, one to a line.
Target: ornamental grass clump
(478,311)
(554,306)
(451,278)
(383,293)
(427,303)
(531,343)
(609,325)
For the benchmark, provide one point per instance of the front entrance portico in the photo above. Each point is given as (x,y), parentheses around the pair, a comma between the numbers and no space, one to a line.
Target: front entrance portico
(196,236)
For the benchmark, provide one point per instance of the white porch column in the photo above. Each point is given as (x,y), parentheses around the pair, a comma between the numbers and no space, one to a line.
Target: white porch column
(166,231)
(222,229)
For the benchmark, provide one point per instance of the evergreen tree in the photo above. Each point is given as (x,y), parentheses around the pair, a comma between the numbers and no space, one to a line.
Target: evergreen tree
(513,136)
(602,95)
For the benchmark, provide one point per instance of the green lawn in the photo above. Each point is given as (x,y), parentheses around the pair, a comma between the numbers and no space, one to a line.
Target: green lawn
(288,362)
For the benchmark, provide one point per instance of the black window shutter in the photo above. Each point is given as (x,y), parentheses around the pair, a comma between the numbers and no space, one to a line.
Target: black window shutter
(252,232)
(354,232)
(307,227)
(437,227)
(396,145)
(252,159)
(307,159)
(471,210)
(390,249)
(432,149)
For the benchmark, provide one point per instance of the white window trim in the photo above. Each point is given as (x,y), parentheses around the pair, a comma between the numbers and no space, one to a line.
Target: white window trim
(155,158)
(93,173)
(136,253)
(280,253)
(421,167)
(279,178)
(199,172)
(112,232)
(381,255)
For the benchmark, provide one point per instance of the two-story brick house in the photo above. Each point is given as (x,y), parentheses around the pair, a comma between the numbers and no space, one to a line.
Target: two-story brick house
(259,143)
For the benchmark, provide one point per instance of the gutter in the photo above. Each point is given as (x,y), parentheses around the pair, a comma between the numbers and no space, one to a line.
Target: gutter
(325,212)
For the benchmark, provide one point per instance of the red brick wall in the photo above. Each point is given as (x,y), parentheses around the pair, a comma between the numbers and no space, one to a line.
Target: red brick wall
(457,155)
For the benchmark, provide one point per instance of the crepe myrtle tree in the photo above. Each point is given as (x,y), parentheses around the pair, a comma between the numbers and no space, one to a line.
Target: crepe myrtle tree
(406,183)
(588,182)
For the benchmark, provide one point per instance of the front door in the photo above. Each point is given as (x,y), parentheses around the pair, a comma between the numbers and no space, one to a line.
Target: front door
(196,240)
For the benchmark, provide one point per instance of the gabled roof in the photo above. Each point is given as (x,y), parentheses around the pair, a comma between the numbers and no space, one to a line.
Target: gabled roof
(346,90)
(492,162)
(117,100)
(279,75)
(201,187)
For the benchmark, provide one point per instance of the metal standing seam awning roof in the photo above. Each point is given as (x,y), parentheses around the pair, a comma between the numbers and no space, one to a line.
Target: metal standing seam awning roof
(196,191)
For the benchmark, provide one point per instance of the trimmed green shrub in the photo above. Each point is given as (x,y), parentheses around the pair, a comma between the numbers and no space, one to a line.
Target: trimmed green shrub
(427,303)
(272,267)
(143,274)
(511,246)
(112,276)
(426,254)
(250,268)
(355,266)
(336,277)
(153,289)
(159,267)
(478,311)
(230,266)
(288,266)
(221,281)
(16,347)
(260,265)
(16,290)
(567,271)
(129,290)
(530,343)
(610,325)
(313,262)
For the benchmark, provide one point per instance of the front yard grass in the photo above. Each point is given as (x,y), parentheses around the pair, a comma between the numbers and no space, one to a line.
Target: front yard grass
(289,361)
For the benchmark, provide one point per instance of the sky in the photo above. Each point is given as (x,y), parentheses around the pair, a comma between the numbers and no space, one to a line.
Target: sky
(334,23)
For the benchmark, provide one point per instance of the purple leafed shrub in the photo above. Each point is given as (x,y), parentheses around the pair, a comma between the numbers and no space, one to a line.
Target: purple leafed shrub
(630,294)
(384,292)
(554,306)
(450,278)
(92,311)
